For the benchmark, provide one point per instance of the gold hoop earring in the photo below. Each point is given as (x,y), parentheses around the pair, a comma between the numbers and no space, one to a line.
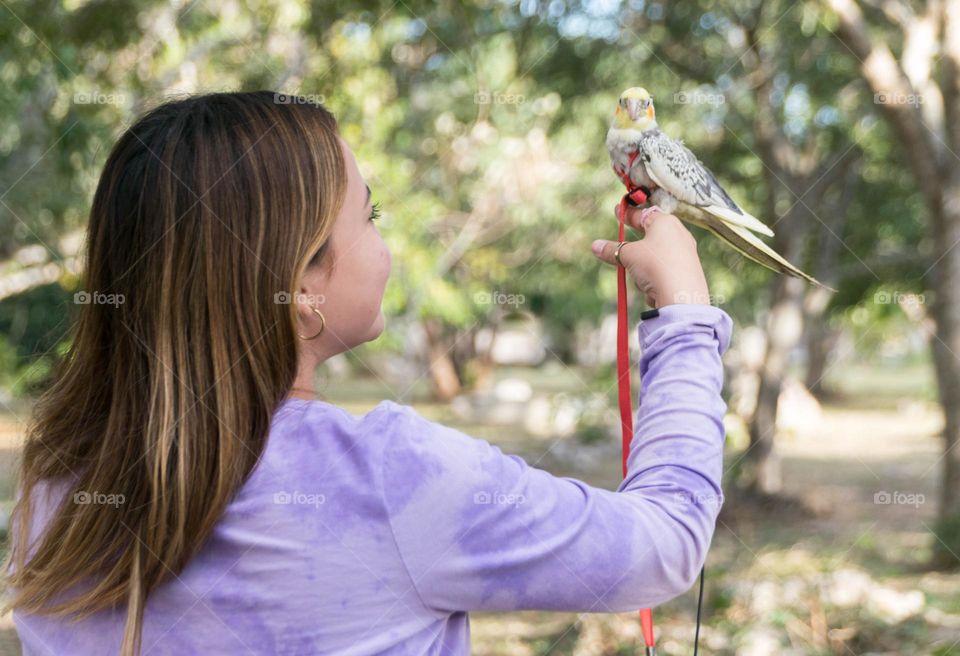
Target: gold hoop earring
(323,324)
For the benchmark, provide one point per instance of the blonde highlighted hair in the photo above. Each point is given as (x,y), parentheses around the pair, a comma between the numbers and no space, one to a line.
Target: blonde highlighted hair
(207,213)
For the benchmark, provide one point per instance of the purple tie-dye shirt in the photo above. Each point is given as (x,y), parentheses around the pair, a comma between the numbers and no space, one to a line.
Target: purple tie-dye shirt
(377,534)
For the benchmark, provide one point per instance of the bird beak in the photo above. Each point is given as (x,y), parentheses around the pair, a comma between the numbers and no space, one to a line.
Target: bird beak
(650,111)
(633,108)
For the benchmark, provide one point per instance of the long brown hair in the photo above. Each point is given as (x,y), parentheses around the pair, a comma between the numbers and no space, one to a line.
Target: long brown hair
(207,213)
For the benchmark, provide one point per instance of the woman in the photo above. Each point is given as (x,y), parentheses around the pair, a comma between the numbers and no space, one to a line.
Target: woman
(184,492)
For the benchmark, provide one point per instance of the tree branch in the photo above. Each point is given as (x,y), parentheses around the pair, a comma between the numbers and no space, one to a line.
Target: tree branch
(888,82)
(950,75)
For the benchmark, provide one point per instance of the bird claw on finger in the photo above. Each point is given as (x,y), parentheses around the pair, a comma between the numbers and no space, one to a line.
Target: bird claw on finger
(645,215)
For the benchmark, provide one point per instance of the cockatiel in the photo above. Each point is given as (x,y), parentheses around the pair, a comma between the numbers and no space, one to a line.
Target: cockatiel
(680,184)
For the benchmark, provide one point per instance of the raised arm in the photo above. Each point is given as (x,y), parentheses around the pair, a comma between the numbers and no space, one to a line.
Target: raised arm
(482,530)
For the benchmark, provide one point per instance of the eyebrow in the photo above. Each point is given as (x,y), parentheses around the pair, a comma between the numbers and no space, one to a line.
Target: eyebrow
(369,194)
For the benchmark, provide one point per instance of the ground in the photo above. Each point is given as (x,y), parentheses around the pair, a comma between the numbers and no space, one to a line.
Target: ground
(836,566)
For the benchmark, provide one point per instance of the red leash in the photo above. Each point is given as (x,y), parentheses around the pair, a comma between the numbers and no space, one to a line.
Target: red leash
(635,196)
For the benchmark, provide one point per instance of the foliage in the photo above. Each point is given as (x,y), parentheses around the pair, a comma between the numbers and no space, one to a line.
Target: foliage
(479,125)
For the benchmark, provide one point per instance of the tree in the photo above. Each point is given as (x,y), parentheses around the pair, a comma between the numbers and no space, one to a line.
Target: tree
(919,95)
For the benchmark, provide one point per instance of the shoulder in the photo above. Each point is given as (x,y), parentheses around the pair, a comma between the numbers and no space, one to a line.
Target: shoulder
(428,462)
(392,443)
(659,142)
(386,423)
(314,419)
(301,424)
(404,429)
(310,438)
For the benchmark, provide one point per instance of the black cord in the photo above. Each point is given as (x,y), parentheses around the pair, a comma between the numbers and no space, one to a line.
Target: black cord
(696,636)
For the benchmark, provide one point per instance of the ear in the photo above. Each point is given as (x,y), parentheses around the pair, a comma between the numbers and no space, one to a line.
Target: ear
(300,299)
(310,295)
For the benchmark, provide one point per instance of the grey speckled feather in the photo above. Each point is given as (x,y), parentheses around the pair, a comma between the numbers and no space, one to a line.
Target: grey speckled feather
(680,184)
(674,173)
(677,170)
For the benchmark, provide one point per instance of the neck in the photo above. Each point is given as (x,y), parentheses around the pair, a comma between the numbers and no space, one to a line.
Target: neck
(304,385)
(641,125)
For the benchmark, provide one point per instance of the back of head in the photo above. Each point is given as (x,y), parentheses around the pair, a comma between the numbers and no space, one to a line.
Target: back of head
(207,209)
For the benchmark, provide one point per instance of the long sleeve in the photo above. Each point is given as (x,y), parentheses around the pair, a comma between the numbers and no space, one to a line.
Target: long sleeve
(481,530)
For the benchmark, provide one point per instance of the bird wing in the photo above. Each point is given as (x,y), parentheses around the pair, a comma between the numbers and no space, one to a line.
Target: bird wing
(743,241)
(674,168)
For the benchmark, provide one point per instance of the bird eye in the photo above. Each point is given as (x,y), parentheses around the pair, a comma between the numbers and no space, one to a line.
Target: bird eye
(623,102)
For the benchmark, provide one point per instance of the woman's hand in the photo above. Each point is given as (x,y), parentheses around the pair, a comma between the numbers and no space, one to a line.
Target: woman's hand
(664,264)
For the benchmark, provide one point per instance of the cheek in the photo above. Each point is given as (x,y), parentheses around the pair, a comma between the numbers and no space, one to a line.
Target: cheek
(387,261)
(384,261)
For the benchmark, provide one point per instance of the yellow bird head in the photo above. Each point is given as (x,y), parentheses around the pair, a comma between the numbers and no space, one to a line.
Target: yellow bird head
(635,110)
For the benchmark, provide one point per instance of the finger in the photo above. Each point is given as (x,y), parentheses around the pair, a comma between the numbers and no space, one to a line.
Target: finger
(632,218)
(640,218)
(627,215)
(605,250)
(649,294)
(647,215)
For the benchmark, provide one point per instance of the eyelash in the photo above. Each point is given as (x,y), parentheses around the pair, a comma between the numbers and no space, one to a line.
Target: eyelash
(375,212)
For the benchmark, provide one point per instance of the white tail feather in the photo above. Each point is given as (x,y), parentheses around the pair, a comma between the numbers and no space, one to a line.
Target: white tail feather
(745,220)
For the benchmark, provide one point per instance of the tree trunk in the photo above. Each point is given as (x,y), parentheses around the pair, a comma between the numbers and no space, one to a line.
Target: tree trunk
(821,337)
(821,340)
(443,373)
(783,171)
(928,143)
(946,347)
(784,328)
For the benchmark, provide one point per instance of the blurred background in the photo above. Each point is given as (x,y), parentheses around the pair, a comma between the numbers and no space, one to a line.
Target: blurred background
(480,127)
